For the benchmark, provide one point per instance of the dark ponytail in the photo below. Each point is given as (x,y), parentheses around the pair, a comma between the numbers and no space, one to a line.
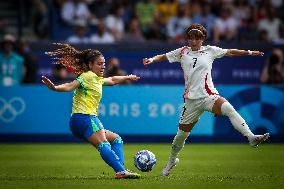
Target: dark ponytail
(69,57)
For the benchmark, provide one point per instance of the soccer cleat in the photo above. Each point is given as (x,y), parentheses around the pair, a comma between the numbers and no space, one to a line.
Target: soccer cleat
(255,140)
(126,174)
(170,165)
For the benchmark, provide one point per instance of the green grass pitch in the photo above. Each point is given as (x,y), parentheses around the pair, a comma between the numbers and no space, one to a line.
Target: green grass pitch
(201,166)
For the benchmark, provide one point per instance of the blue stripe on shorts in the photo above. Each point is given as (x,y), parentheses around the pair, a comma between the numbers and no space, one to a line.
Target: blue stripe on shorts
(84,125)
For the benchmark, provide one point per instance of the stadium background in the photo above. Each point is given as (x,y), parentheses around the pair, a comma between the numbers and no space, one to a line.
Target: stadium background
(151,106)
(37,149)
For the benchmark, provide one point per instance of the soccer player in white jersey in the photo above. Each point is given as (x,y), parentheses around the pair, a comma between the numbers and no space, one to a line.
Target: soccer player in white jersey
(200,94)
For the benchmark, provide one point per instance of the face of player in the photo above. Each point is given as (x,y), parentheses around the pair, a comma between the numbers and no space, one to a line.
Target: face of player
(195,43)
(98,66)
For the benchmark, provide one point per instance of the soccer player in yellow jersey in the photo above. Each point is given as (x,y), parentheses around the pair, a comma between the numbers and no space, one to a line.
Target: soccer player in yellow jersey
(89,65)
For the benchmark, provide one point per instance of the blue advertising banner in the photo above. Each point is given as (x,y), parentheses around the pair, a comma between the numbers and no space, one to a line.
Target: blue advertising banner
(34,110)
(139,110)
(226,70)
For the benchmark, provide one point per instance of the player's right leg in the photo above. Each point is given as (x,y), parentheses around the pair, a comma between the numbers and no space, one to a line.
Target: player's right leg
(91,129)
(188,119)
(177,146)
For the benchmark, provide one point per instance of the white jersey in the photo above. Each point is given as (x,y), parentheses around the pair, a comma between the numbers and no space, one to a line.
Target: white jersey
(197,66)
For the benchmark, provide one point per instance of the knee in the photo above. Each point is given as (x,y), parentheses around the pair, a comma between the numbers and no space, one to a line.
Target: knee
(117,140)
(227,109)
(187,127)
(180,138)
(102,145)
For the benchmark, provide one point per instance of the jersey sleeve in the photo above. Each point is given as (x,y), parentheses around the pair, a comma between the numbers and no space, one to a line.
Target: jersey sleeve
(174,56)
(80,81)
(218,52)
(102,81)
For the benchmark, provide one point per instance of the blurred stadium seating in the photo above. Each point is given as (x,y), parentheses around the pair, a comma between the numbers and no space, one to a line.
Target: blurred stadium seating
(36,24)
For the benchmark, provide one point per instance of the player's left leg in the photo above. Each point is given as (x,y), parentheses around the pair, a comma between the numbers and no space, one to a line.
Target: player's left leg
(95,133)
(116,144)
(223,107)
(99,140)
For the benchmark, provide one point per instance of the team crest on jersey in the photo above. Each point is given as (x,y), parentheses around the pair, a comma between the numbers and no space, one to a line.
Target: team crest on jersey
(183,51)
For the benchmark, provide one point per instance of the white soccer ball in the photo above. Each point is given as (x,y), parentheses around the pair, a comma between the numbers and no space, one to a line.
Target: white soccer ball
(144,160)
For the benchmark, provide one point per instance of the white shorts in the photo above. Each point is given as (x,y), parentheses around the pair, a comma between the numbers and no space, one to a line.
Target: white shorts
(193,108)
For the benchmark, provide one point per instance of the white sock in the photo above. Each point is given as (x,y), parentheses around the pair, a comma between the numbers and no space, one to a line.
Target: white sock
(237,121)
(178,143)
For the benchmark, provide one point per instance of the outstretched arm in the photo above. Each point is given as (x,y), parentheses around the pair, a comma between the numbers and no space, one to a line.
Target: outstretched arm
(157,58)
(120,79)
(237,52)
(66,87)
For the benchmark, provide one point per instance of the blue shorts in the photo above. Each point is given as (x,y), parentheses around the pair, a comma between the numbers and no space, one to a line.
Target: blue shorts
(84,125)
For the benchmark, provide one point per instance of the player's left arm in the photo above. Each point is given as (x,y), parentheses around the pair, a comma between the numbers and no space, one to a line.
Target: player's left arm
(120,79)
(237,52)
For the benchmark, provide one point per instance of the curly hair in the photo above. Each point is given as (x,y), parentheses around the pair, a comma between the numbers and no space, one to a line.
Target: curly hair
(196,31)
(69,57)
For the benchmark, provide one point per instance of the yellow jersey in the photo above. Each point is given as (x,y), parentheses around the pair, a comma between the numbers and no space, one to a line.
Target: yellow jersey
(87,97)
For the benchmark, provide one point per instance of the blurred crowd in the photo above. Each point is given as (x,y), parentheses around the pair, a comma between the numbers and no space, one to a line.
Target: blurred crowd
(273,71)
(110,21)
(139,21)
(18,65)
(17,62)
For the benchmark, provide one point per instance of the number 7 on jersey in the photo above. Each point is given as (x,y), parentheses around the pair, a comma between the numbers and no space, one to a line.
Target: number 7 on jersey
(195,60)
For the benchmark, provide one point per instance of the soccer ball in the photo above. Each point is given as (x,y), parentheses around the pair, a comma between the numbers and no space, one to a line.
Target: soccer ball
(144,160)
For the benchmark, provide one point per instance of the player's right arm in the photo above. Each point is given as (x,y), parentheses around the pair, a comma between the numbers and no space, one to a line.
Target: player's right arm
(66,87)
(157,58)
(172,56)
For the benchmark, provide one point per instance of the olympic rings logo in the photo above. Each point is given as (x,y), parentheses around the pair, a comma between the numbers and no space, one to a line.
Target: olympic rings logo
(9,110)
